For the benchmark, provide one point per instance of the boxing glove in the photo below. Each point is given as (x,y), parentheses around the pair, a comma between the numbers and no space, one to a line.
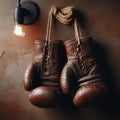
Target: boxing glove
(81,75)
(42,77)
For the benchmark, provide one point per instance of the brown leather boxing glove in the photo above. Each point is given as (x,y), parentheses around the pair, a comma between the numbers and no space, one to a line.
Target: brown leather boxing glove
(81,75)
(43,74)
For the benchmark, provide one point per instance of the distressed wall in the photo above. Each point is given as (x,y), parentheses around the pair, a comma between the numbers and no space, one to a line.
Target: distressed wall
(101,20)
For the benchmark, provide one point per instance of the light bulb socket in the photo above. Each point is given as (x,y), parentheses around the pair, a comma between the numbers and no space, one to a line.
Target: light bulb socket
(26,13)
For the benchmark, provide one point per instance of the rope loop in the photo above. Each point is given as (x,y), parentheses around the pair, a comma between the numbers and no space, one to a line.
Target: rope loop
(65,15)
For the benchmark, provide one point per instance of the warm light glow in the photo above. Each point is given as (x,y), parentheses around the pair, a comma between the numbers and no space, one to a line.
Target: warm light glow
(18,31)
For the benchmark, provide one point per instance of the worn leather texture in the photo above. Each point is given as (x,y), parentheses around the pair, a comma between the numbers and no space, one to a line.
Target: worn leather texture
(43,74)
(81,75)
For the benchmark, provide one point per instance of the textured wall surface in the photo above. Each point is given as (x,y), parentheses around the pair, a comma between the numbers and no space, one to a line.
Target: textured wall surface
(101,20)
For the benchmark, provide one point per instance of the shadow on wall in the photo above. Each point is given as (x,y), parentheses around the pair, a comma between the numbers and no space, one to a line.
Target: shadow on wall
(103,61)
(110,105)
(107,108)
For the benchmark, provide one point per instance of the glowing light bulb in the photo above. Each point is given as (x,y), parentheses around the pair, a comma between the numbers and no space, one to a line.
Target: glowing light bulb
(18,31)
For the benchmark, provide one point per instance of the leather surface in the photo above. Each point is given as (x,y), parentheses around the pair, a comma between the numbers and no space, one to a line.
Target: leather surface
(82,69)
(100,18)
(43,74)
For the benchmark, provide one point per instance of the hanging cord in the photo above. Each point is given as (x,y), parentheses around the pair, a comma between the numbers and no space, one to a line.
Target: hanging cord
(49,25)
(67,15)
(47,41)
(64,15)
(78,32)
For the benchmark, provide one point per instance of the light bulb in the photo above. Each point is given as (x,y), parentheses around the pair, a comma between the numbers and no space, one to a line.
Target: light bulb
(18,31)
